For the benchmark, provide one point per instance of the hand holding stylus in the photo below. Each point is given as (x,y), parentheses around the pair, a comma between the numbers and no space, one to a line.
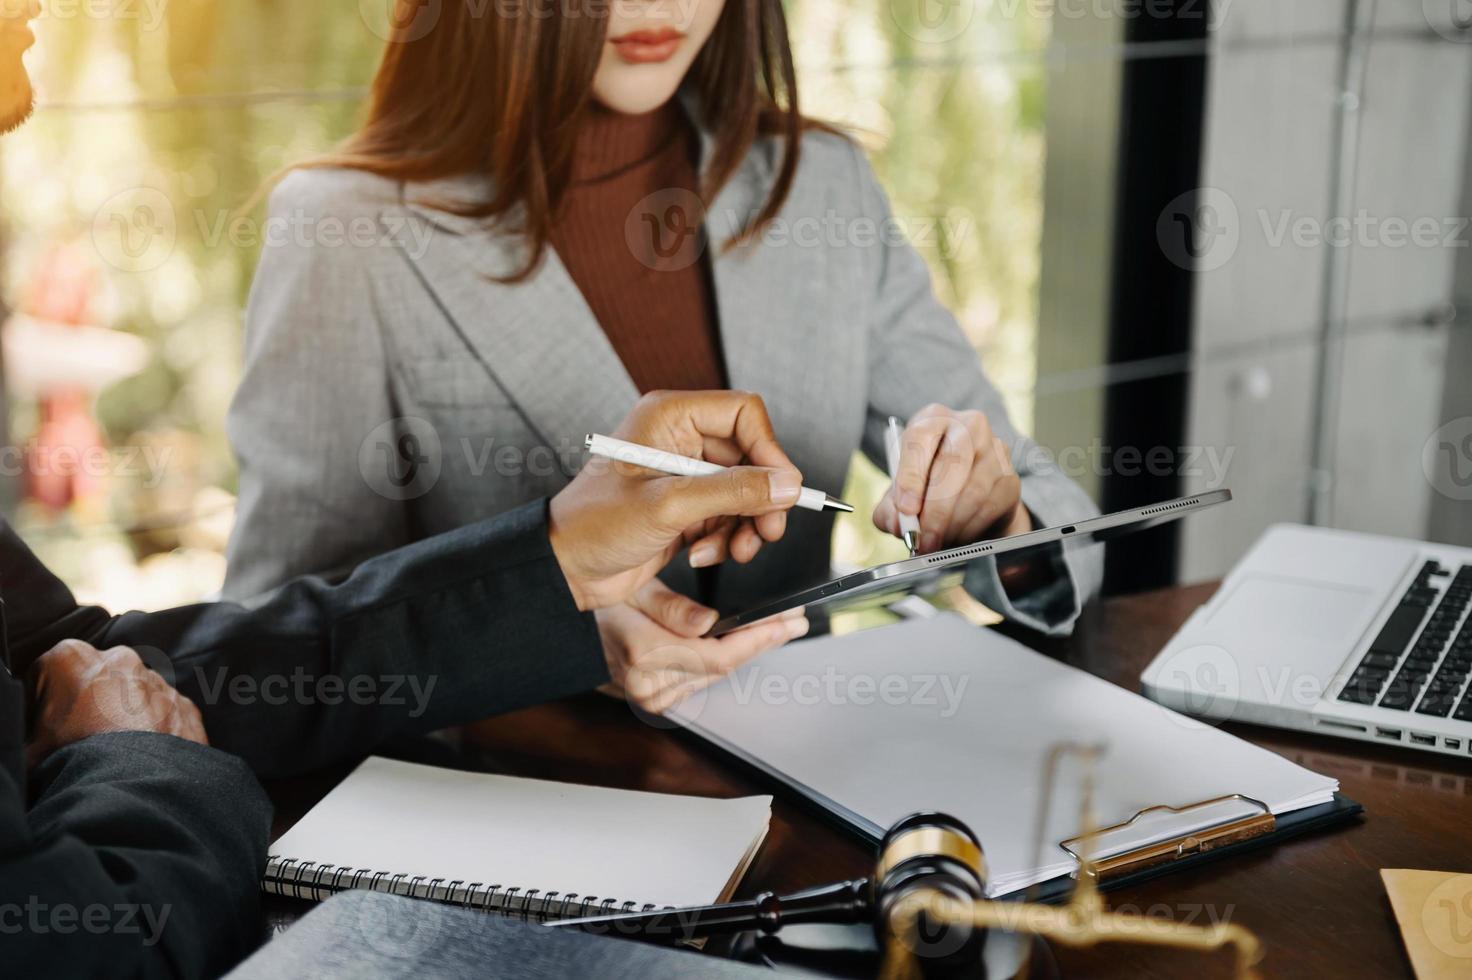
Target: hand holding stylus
(955,476)
(893,448)
(616,525)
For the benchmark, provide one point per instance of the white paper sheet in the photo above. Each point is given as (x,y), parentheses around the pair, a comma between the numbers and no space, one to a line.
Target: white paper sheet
(935,714)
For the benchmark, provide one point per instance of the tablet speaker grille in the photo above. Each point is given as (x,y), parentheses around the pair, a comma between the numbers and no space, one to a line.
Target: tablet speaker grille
(968,553)
(1178,505)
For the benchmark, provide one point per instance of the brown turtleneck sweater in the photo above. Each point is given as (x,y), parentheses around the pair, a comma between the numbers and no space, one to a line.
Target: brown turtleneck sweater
(629,234)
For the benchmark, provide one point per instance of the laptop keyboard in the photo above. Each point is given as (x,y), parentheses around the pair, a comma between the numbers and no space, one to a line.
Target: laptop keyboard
(1431,675)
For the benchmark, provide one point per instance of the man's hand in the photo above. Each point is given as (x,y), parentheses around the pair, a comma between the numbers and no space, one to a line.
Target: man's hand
(957,476)
(82,691)
(656,657)
(616,524)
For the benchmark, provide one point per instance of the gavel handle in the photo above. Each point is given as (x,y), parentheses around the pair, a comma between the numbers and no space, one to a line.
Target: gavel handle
(842,902)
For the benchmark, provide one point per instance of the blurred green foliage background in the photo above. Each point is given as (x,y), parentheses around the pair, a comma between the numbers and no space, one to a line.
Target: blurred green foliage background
(201,101)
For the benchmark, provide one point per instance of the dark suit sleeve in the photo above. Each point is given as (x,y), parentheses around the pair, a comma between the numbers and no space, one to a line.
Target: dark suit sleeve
(141,858)
(446,631)
(40,611)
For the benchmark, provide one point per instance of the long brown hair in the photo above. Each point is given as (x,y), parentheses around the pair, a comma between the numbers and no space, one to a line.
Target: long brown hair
(497,87)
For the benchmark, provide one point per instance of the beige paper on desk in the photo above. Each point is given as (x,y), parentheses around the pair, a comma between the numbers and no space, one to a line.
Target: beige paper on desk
(1434,910)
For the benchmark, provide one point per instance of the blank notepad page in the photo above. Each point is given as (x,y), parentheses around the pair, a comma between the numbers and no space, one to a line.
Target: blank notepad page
(646,848)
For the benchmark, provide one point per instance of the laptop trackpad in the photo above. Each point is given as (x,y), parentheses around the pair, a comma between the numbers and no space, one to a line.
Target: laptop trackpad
(1289,637)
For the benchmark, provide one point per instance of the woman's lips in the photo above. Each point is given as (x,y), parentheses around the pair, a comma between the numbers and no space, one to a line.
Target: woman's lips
(649,46)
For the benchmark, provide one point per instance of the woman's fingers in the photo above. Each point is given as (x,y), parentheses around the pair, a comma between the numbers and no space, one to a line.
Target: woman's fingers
(921,442)
(950,473)
(993,496)
(962,474)
(937,454)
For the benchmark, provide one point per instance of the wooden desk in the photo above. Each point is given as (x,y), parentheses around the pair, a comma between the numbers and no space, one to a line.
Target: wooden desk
(1316,901)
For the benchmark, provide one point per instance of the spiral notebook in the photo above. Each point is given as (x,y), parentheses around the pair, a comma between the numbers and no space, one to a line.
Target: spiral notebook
(526,848)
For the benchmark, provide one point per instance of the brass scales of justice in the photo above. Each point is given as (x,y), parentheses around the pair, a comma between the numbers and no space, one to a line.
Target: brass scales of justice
(927,905)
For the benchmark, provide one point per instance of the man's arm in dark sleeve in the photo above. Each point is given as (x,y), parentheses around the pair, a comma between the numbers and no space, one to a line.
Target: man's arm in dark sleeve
(449,630)
(141,858)
(40,611)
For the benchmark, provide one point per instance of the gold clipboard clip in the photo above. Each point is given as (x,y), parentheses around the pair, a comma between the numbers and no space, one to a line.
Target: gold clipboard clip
(1235,827)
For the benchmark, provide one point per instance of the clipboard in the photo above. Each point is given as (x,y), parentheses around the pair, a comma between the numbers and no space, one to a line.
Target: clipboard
(1211,830)
(1185,791)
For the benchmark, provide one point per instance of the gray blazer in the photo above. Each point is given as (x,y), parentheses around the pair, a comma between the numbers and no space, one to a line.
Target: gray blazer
(394,390)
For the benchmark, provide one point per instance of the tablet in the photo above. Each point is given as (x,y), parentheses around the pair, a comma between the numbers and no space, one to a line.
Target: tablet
(882,583)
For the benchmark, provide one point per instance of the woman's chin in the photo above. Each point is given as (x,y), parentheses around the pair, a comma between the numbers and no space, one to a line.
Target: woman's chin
(633,97)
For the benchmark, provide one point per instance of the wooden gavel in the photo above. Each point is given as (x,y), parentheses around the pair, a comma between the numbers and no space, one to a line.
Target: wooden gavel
(925,861)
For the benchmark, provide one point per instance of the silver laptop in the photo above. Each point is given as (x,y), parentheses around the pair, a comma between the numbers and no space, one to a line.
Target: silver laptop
(1346,634)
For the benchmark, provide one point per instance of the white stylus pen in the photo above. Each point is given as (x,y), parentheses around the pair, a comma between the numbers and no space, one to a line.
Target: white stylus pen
(909,523)
(675,465)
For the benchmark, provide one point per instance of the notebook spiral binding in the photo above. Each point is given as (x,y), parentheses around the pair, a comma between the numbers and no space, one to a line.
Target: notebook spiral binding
(292,878)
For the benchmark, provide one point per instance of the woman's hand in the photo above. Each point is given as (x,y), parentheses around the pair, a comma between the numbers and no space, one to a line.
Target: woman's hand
(957,476)
(616,524)
(656,652)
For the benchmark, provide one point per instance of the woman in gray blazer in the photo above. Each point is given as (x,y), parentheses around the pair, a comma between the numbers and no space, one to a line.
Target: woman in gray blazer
(446,308)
